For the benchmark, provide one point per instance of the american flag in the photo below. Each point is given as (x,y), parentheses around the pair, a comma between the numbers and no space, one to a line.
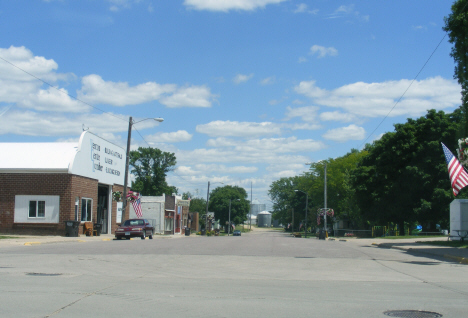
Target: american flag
(137,206)
(458,175)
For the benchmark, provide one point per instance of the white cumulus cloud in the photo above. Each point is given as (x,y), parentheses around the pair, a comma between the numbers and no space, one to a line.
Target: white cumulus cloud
(97,91)
(242,78)
(228,128)
(23,76)
(176,136)
(377,99)
(193,96)
(343,134)
(307,114)
(322,51)
(337,116)
(227,5)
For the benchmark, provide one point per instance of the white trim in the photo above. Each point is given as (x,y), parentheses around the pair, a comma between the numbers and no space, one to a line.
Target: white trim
(28,170)
(52,209)
(81,210)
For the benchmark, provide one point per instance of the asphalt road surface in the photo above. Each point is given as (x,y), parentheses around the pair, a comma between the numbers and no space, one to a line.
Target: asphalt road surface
(259,274)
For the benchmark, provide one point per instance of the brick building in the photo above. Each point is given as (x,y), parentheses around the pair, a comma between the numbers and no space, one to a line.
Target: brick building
(42,185)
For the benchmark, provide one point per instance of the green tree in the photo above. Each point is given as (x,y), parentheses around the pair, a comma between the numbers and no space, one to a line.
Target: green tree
(404,177)
(198,205)
(456,26)
(340,192)
(150,167)
(284,200)
(339,189)
(219,204)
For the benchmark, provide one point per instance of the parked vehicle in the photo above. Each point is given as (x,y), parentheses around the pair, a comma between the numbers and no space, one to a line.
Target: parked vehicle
(135,228)
(236,233)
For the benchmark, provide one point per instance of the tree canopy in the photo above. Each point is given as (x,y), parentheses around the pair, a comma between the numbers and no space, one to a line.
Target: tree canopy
(456,26)
(150,167)
(404,177)
(219,204)
(284,201)
(340,198)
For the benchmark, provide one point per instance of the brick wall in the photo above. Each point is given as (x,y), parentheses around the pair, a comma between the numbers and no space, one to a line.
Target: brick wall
(67,186)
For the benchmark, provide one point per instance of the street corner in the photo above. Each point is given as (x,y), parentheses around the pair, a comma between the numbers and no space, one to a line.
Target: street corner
(458,259)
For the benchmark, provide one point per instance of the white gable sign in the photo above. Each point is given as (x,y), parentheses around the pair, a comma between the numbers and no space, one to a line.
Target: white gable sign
(99,159)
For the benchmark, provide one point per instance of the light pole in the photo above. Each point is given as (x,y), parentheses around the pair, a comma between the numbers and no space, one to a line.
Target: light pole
(325,199)
(305,221)
(250,227)
(124,199)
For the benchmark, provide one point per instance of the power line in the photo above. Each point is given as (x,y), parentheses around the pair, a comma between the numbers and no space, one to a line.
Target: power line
(173,172)
(61,91)
(92,106)
(398,101)
(404,93)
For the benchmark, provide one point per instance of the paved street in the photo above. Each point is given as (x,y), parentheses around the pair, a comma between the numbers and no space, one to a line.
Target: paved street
(260,274)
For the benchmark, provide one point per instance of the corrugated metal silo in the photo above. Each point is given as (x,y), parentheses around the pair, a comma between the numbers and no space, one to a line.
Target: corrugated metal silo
(264,219)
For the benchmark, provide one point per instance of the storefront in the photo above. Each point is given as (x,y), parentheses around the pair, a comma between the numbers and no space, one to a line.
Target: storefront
(42,185)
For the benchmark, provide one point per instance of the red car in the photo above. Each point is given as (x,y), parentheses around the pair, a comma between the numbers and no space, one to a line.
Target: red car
(135,228)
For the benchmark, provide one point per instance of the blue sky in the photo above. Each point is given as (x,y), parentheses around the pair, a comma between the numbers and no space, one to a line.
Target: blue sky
(250,90)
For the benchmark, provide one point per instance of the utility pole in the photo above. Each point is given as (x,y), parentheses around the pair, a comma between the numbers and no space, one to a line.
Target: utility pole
(207,200)
(250,206)
(124,199)
(325,199)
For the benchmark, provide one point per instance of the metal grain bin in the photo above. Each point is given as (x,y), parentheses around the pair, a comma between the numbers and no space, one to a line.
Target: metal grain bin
(264,219)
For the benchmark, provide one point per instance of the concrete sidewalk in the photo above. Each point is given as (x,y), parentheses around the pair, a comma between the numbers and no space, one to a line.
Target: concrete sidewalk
(417,246)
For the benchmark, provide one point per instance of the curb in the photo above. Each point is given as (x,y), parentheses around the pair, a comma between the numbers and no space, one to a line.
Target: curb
(53,242)
(458,259)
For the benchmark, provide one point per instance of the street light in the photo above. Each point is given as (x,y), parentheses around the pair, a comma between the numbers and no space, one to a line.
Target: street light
(130,124)
(307,202)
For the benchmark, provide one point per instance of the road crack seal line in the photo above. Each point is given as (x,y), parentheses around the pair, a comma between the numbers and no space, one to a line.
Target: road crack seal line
(412,276)
(98,292)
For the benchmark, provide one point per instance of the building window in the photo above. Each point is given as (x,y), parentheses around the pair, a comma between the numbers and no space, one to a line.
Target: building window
(86,209)
(168,224)
(37,209)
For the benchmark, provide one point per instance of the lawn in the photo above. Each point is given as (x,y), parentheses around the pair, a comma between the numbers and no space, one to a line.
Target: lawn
(243,228)
(407,237)
(448,243)
(4,237)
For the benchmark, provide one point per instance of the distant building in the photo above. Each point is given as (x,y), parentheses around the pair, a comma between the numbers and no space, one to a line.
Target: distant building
(257,207)
(43,185)
(152,208)
(264,219)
